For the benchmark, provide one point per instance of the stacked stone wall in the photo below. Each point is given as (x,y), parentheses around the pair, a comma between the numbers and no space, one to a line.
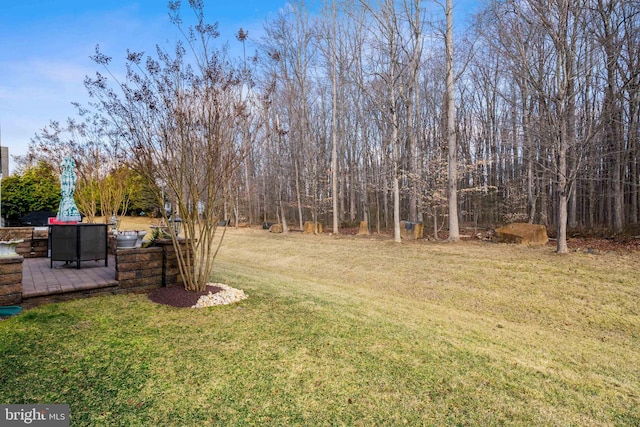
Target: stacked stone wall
(139,267)
(171,270)
(149,267)
(35,241)
(11,280)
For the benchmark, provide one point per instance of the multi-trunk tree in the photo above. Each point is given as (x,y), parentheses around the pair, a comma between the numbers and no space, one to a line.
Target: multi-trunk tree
(181,117)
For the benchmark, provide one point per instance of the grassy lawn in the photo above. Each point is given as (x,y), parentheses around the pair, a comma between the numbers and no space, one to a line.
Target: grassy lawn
(349,331)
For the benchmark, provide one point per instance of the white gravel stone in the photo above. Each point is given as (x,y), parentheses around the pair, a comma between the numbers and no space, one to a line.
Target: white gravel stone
(227,295)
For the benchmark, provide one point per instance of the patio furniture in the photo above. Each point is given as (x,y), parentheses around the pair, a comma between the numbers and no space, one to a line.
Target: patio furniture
(78,242)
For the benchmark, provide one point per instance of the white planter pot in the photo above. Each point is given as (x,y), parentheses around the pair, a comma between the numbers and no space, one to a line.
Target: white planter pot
(141,235)
(8,248)
(126,240)
(126,237)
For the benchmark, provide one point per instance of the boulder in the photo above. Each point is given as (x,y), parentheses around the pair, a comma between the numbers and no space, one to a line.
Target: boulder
(522,233)
(276,228)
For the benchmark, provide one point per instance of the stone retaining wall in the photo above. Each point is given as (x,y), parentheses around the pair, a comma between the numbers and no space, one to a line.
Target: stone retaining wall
(35,243)
(170,269)
(139,268)
(149,267)
(11,280)
(36,248)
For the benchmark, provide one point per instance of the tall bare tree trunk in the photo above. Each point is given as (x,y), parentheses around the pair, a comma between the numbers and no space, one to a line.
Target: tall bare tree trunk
(633,135)
(530,189)
(413,12)
(611,113)
(298,198)
(452,154)
(334,123)
(396,172)
(562,198)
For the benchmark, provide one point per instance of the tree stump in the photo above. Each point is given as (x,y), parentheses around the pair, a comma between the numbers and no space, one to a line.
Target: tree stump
(309,227)
(364,228)
(522,233)
(411,230)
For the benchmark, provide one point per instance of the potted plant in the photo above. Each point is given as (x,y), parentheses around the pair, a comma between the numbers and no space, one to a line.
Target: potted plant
(8,242)
(160,230)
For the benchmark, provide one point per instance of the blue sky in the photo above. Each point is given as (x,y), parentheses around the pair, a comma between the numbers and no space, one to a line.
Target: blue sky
(46,46)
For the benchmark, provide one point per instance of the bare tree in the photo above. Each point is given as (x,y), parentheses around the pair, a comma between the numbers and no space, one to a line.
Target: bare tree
(452,146)
(413,14)
(520,134)
(388,72)
(545,48)
(101,166)
(180,117)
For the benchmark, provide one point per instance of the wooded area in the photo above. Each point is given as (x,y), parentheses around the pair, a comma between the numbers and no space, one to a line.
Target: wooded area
(345,115)
(547,111)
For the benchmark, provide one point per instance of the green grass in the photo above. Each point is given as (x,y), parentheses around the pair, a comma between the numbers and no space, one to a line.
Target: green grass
(349,331)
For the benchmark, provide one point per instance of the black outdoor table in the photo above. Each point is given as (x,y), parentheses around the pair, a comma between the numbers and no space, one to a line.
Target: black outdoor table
(78,242)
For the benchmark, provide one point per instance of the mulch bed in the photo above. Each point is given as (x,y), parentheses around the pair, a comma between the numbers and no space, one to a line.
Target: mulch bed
(178,296)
